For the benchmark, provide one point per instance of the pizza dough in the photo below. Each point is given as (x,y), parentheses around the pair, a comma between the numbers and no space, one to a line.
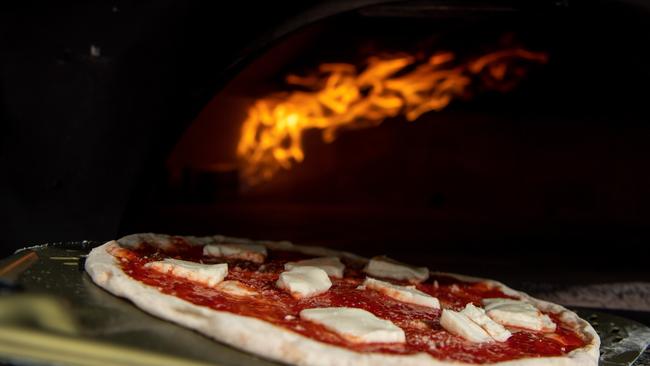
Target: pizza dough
(276,342)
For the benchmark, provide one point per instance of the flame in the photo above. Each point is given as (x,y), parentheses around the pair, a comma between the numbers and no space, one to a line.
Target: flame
(339,96)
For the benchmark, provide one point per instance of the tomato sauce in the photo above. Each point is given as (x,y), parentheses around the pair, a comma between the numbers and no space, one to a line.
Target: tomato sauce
(420,324)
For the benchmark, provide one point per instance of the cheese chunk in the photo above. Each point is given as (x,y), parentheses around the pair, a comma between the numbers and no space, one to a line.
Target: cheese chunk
(387,268)
(460,325)
(208,274)
(408,294)
(156,240)
(494,329)
(236,288)
(303,282)
(355,325)
(250,252)
(331,265)
(517,313)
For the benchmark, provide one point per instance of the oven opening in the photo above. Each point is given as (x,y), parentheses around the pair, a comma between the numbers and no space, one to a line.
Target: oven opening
(434,136)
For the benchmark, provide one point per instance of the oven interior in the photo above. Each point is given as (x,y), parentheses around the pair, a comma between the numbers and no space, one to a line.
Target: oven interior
(529,177)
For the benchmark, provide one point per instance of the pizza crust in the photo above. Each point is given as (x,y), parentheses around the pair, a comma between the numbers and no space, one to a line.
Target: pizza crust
(277,343)
(587,355)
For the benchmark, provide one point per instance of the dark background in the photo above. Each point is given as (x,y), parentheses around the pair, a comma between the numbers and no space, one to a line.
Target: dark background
(84,137)
(80,134)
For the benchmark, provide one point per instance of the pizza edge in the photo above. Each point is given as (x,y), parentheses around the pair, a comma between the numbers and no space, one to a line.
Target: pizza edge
(277,343)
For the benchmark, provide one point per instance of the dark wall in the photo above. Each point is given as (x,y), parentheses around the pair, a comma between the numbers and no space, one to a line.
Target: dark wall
(82,130)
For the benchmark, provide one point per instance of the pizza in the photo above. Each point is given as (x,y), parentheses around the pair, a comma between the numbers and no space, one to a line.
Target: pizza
(316,306)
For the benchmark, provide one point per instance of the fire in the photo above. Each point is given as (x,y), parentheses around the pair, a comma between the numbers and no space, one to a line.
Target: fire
(340,96)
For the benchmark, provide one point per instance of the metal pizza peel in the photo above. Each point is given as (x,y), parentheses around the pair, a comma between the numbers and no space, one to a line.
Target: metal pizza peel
(623,341)
(52,313)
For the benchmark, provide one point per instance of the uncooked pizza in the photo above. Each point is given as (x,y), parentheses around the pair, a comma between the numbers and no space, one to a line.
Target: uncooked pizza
(315,306)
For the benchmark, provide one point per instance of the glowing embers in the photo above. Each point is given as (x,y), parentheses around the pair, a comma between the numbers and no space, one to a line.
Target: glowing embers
(343,96)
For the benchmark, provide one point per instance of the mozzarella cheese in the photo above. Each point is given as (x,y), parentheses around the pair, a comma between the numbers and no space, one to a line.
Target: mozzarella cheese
(250,252)
(331,265)
(208,274)
(136,240)
(303,282)
(494,329)
(408,294)
(355,325)
(461,325)
(387,268)
(517,313)
(236,288)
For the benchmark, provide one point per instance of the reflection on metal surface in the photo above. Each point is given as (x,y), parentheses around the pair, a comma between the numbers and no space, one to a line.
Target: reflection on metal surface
(14,266)
(38,346)
(104,329)
(622,340)
(38,311)
(65,258)
(40,328)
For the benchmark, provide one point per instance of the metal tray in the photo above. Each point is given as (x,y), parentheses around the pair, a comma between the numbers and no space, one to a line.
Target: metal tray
(52,313)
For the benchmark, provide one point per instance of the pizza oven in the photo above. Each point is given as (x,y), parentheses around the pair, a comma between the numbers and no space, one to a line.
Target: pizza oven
(481,136)
(501,139)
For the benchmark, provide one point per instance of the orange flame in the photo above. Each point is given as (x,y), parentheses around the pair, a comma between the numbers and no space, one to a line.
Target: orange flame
(339,96)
